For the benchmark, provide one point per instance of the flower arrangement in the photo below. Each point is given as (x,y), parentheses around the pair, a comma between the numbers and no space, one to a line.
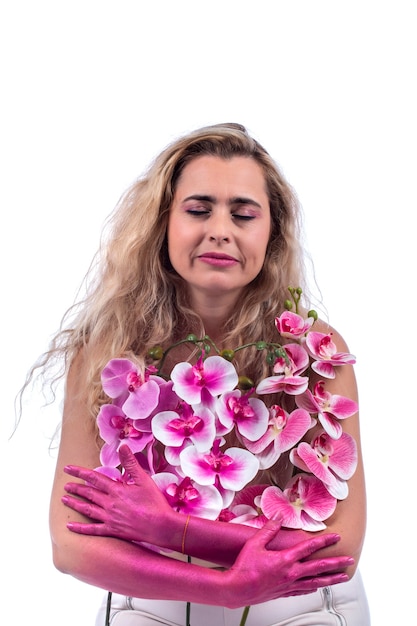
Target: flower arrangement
(178,428)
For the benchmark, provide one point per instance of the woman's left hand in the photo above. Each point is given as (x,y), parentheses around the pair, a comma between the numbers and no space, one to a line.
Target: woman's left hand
(134,511)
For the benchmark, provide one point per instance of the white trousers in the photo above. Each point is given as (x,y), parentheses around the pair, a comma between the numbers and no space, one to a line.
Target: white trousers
(340,605)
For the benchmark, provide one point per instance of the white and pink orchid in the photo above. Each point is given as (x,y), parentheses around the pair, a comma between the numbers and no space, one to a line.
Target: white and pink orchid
(249,415)
(116,428)
(333,461)
(137,393)
(185,496)
(323,349)
(288,369)
(329,408)
(305,503)
(214,374)
(292,325)
(183,427)
(283,432)
(232,469)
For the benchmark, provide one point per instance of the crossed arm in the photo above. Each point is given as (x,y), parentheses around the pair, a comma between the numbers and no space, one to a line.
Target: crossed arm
(95,528)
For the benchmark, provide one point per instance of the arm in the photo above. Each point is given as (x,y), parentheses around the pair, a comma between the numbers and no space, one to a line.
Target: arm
(223,541)
(120,565)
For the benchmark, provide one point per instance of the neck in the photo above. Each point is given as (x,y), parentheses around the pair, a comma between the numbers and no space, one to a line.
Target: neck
(214,312)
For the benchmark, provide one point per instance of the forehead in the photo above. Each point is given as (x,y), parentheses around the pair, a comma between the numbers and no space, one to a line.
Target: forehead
(237,174)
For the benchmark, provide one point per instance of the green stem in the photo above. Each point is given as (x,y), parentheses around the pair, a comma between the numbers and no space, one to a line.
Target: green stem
(244,616)
(205,339)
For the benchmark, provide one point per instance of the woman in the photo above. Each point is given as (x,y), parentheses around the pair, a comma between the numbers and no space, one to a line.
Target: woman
(207,242)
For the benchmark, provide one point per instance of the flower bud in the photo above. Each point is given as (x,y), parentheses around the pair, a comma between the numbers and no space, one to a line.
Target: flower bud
(156,353)
(288,305)
(192,338)
(313,314)
(270,358)
(245,383)
(227,354)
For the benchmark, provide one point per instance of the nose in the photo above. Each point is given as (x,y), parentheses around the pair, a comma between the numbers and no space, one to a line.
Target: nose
(219,227)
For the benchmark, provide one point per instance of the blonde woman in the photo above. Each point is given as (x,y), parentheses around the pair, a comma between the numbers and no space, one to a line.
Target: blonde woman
(205,243)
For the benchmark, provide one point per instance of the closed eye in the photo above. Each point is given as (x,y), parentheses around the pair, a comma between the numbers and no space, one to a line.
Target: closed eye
(243,218)
(198,212)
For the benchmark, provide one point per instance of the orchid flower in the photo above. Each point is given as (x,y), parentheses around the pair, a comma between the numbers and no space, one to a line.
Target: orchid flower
(180,428)
(246,507)
(138,394)
(116,428)
(293,325)
(329,408)
(323,349)
(232,469)
(304,503)
(249,415)
(185,496)
(333,461)
(284,431)
(214,374)
(287,369)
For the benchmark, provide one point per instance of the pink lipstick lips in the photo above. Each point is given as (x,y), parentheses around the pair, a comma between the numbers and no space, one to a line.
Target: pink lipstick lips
(218,259)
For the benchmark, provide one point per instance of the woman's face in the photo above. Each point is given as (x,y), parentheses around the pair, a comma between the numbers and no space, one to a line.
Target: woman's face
(219,225)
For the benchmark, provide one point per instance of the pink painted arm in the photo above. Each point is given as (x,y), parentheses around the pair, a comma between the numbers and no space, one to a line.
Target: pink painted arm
(118,564)
(139,512)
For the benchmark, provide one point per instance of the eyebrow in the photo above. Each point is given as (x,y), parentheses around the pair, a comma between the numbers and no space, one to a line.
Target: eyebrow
(232,201)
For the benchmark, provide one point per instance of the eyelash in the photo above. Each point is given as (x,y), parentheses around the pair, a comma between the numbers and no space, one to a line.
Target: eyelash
(238,216)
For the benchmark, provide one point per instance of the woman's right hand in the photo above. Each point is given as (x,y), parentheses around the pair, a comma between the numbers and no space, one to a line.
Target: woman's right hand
(260,574)
(134,511)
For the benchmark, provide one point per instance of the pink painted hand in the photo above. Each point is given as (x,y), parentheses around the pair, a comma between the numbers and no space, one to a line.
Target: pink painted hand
(261,574)
(135,510)
(139,511)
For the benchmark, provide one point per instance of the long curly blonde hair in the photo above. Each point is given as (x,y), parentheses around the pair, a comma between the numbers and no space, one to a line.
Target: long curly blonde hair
(135,300)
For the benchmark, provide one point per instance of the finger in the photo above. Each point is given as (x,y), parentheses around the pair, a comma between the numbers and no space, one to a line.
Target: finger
(131,464)
(325,566)
(266,534)
(87,492)
(309,546)
(96,479)
(87,509)
(312,584)
(98,530)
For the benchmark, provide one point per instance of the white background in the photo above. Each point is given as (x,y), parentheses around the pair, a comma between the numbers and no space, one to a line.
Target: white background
(91,92)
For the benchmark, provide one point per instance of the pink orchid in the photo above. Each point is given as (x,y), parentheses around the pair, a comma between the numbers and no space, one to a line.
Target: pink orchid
(153,459)
(284,431)
(115,428)
(184,496)
(329,408)
(249,415)
(214,374)
(293,325)
(333,461)
(175,429)
(324,350)
(137,393)
(246,507)
(288,369)
(231,469)
(112,472)
(304,503)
